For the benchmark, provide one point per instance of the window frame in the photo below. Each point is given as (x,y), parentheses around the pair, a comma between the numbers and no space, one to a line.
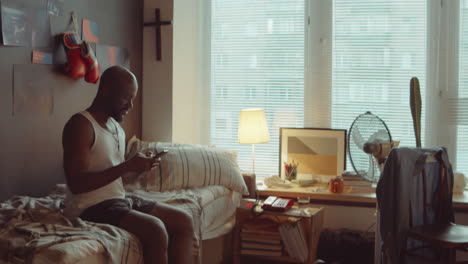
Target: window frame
(442,69)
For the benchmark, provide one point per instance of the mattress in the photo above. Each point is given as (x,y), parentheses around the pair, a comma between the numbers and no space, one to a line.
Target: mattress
(218,216)
(217,207)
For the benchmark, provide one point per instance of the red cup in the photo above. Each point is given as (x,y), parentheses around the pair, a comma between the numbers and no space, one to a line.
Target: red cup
(336,185)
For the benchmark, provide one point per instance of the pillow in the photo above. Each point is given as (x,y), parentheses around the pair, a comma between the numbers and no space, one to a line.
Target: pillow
(136,145)
(187,166)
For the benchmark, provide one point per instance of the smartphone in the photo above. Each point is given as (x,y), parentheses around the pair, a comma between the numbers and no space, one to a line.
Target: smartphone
(159,154)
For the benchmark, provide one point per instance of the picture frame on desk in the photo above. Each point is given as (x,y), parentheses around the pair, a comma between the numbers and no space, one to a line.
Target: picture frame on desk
(318,151)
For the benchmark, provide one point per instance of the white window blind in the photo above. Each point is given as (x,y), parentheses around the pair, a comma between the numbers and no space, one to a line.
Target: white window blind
(462,128)
(378,46)
(257,61)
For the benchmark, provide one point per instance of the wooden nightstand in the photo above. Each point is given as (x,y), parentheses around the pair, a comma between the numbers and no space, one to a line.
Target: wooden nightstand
(312,223)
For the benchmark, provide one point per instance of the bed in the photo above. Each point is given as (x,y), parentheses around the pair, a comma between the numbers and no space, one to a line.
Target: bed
(205,182)
(33,230)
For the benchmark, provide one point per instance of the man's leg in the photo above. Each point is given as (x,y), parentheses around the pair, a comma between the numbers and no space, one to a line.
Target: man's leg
(152,234)
(179,226)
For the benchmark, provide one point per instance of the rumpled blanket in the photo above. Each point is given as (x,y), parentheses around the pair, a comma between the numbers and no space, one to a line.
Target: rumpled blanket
(32,227)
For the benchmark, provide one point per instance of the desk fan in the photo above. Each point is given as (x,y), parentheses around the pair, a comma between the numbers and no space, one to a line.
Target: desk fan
(369,143)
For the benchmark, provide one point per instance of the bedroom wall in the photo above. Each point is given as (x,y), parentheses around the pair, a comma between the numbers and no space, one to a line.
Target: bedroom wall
(157,75)
(31,151)
(186,73)
(190,89)
(177,110)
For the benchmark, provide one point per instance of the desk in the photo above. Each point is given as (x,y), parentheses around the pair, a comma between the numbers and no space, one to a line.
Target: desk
(350,198)
(357,199)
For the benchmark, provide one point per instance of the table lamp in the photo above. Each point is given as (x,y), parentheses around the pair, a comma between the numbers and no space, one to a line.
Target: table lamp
(253,129)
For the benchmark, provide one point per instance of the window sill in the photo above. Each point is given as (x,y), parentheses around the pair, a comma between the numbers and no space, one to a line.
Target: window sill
(362,197)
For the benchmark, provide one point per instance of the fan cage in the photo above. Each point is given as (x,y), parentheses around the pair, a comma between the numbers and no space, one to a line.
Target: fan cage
(367,114)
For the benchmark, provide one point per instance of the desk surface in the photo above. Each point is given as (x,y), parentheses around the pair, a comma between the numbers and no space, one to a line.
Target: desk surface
(364,198)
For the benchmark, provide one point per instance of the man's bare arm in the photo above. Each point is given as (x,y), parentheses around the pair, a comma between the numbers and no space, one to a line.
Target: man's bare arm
(78,137)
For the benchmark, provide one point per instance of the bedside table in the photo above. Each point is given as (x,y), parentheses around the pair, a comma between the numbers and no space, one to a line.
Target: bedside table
(312,222)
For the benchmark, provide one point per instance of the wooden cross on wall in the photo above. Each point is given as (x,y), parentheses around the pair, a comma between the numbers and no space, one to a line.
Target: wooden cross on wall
(157,24)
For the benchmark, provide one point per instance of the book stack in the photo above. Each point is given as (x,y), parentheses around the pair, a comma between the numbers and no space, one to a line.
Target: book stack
(261,237)
(295,240)
(355,180)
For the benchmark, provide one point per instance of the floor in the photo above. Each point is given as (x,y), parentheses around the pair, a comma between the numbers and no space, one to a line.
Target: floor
(246,260)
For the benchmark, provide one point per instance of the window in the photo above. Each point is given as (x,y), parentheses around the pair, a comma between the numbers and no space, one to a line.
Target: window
(257,58)
(462,129)
(354,56)
(378,46)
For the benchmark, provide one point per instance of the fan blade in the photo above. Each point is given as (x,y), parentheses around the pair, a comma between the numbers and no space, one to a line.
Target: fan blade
(381,135)
(357,137)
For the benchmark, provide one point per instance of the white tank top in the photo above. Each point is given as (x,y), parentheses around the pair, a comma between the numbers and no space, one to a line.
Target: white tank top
(107,151)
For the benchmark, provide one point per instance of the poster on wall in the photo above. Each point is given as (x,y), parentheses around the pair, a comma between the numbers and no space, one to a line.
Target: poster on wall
(90,31)
(25,24)
(111,55)
(32,93)
(55,7)
(41,57)
(14,25)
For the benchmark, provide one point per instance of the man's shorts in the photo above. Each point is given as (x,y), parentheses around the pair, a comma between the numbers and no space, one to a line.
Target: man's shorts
(112,211)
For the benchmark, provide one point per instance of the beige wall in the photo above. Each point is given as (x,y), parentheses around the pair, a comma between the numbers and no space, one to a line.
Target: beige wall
(175,103)
(31,150)
(157,75)
(186,79)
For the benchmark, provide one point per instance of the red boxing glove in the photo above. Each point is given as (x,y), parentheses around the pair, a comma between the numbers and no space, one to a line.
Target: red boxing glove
(93,70)
(76,67)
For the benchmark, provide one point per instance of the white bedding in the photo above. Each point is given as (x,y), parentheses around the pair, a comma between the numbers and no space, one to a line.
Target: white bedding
(213,209)
(217,203)
(33,230)
(218,216)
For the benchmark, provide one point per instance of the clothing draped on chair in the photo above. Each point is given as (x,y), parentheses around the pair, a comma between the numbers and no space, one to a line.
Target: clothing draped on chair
(412,192)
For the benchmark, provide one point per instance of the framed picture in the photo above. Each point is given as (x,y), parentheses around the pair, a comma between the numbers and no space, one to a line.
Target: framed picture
(316,151)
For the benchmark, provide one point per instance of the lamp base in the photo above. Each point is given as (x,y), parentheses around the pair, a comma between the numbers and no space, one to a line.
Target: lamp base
(253,158)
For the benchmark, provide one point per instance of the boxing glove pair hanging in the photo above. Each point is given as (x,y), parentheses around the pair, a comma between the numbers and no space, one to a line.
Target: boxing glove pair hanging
(81,59)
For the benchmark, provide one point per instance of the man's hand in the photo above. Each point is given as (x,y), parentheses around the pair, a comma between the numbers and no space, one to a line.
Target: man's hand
(142,162)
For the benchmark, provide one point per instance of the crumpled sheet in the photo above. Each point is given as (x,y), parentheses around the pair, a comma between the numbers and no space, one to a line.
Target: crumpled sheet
(34,230)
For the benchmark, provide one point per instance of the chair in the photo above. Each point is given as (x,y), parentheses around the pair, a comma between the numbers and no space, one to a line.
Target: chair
(449,236)
(414,197)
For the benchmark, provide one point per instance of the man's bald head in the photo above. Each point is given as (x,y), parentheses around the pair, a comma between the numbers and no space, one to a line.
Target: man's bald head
(117,89)
(114,78)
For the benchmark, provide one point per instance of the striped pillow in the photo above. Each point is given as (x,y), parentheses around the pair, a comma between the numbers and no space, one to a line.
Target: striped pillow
(188,166)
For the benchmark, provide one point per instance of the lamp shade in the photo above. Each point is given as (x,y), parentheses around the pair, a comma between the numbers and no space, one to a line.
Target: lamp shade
(253,128)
